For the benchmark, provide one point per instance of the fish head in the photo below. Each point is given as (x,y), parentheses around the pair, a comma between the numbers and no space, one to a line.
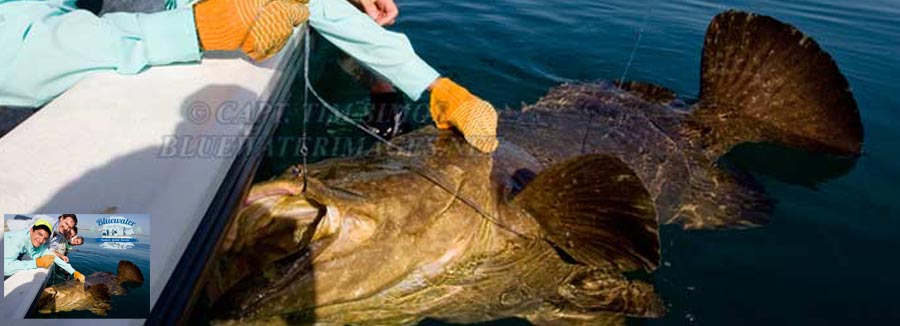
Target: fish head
(418,175)
(47,301)
(68,296)
(354,211)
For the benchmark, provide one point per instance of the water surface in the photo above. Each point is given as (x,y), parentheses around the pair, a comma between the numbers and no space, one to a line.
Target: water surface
(829,255)
(90,258)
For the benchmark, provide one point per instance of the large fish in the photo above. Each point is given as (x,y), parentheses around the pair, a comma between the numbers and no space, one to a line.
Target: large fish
(544,228)
(94,294)
(761,81)
(388,239)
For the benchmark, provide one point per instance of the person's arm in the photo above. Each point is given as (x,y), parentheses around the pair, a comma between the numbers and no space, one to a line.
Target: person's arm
(64,265)
(46,48)
(60,255)
(68,3)
(11,251)
(11,265)
(387,53)
(392,56)
(43,250)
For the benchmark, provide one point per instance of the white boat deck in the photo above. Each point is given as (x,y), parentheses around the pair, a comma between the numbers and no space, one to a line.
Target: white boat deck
(106,146)
(20,288)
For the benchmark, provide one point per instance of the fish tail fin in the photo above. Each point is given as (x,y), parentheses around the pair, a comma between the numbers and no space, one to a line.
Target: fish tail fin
(765,81)
(596,210)
(129,272)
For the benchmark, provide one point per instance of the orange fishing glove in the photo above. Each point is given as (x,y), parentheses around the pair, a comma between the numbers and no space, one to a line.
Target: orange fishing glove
(260,28)
(78,276)
(453,106)
(44,261)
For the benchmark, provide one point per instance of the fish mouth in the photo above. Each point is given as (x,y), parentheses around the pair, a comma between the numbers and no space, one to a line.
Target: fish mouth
(276,220)
(273,189)
(274,213)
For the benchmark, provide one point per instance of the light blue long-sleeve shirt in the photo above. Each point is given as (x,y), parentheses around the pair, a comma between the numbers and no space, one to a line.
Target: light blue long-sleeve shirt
(18,242)
(52,244)
(388,53)
(48,45)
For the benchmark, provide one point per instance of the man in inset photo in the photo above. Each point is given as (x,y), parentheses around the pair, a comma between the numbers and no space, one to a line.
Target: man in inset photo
(24,249)
(34,246)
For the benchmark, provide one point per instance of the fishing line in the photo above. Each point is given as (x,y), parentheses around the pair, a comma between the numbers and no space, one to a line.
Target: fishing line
(439,181)
(418,166)
(337,112)
(304,150)
(637,43)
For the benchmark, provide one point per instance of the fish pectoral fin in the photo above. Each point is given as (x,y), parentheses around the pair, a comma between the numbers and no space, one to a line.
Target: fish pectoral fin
(100,292)
(99,311)
(561,317)
(594,290)
(595,209)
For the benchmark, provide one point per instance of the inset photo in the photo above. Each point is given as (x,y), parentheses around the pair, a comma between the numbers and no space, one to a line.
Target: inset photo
(76,266)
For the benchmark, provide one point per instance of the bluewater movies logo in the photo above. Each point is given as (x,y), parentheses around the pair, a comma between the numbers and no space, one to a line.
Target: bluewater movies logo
(117,232)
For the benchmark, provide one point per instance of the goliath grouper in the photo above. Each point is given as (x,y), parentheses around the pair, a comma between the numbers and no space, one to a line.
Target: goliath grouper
(94,294)
(543,228)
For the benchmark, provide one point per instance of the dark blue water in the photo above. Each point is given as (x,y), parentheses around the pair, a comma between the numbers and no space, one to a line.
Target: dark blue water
(90,258)
(829,255)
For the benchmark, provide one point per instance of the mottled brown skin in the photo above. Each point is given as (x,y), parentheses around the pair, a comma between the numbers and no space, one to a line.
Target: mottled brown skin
(591,118)
(761,81)
(385,239)
(651,138)
(71,296)
(74,295)
(393,247)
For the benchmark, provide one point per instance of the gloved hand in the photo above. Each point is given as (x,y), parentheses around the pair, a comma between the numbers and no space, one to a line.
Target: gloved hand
(260,28)
(453,106)
(78,276)
(44,261)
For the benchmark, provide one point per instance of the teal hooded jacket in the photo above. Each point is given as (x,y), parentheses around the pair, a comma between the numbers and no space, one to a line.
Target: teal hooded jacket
(18,242)
(46,46)
(49,45)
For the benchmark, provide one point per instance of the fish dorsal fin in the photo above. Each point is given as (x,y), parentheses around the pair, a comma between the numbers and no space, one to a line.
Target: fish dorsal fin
(648,92)
(100,292)
(595,209)
(762,80)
